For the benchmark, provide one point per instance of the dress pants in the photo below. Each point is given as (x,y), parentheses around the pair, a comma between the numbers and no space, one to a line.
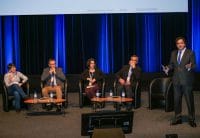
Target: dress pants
(128,91)
(179,91)
(47,89)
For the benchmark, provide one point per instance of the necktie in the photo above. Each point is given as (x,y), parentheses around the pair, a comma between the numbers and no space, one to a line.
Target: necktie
(179,56)
(52,80)
(129,75)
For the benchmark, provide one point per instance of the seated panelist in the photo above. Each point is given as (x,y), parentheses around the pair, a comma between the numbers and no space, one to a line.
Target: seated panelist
(53,77)
(127,78)
(92,77)
(13,81)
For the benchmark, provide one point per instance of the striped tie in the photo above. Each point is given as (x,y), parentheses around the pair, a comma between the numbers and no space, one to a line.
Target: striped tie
(179,57)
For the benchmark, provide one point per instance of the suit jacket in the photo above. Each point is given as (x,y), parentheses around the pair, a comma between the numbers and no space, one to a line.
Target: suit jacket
(46,77)
(135,76)
(98,75)
(181,74)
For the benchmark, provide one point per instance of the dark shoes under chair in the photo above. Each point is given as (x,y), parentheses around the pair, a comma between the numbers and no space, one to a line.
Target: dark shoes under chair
(119,106)
(58,108)
(49,107)
(179,121)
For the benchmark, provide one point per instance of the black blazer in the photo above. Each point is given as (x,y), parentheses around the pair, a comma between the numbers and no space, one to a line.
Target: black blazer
(181,74)
(135,76)
(98,75)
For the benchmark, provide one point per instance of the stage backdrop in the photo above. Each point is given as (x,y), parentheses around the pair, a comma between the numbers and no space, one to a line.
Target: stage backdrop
(111,39)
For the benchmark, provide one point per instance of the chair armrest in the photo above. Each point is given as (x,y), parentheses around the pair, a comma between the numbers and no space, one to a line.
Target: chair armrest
(28,88)
(66,93)
(169,90)
(103,88)
(5,98)
(136,87)
(150,92)
(66,87)
(80,84)
(137,95)
(151,85)
(115,87)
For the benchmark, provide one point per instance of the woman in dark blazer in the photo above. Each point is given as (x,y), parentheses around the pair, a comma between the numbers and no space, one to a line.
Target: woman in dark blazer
(92,78)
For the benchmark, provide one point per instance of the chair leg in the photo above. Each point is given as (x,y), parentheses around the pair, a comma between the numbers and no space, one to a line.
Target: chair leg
(150,105)
(81,101)
(65,104)
(168,106)
(5,105)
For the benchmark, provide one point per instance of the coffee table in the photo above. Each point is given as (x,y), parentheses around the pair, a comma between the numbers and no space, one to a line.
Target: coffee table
(37,101)
(114,99)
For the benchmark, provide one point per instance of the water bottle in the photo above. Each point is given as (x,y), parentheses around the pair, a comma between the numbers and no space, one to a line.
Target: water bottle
(123,94)
(111,93)
(97,94)
(51,96)
(35,96)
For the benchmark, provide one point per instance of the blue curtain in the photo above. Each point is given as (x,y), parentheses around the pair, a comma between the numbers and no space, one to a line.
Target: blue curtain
(59,40)
(103,58)
(195,30)
(109,38)
(152,53)
(9,42)
(1,48)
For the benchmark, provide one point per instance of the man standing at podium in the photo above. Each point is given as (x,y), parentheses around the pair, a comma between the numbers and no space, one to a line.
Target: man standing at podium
(182,61)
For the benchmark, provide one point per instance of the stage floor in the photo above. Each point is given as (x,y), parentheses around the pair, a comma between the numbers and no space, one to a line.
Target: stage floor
(147,123)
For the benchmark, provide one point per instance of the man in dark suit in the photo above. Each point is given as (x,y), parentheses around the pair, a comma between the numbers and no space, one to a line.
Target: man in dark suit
(182,62)
(53,77)
(127,78)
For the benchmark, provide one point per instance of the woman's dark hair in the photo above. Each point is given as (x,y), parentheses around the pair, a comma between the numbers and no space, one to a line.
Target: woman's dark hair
(10,65)
(89,60)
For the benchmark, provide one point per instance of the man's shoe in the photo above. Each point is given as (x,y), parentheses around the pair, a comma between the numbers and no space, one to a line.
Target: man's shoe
(176,122)
(192,123)
(49,107)
(128,108)
(118,108)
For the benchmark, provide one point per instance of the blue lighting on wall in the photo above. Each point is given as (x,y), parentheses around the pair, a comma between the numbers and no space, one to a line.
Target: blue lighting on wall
(1,48)
(8,41)
(16,45)
(59,42)
(195,35)
(121,37)
(11,42)
(103,58)
(113,45)
(151,54)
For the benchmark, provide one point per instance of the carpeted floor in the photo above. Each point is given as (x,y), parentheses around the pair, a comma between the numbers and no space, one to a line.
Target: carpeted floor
(147,123)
